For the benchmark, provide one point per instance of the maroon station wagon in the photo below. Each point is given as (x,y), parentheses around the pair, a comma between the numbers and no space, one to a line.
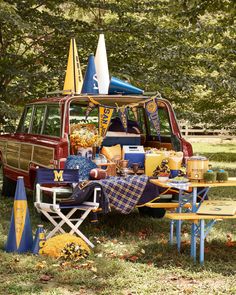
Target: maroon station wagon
(42,137)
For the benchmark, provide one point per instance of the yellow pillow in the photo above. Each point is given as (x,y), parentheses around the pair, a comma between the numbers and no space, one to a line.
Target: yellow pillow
(112,152)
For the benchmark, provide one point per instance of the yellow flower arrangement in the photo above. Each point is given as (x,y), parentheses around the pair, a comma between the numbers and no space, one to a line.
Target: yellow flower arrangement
(84,135)
(58,246)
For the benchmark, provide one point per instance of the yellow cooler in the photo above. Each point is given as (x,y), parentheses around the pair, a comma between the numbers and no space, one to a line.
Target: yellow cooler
(151,162)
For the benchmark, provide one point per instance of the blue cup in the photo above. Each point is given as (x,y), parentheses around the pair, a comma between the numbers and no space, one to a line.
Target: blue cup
(174,173)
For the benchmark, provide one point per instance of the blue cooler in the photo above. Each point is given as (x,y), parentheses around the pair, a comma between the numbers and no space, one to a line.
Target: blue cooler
(122,138)
(135,154)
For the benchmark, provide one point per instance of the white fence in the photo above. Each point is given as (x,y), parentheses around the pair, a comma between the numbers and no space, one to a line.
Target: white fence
(189,131)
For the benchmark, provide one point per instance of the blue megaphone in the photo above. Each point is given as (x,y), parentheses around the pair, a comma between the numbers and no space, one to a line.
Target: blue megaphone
(39,239)
(90,84)
(20,237)
(118,86)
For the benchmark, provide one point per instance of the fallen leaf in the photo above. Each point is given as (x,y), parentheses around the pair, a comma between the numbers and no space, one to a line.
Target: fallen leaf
(206,250)
(65,264)
(45,278)
(94,269)
(230,242)
(41,265)
(133,258)
(142,235)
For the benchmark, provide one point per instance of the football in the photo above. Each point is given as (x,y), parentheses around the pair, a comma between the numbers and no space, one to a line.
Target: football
(98,173)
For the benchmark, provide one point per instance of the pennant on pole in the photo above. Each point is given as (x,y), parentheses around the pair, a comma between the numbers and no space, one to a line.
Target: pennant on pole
(135,112)
(74,79)
(151,108)
(89,109)
(105,114)
(122,111)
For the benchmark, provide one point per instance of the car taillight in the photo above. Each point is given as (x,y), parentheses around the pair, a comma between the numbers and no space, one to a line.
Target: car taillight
(54,163)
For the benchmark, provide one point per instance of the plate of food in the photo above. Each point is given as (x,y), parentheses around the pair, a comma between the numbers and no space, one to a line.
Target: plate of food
(179,179)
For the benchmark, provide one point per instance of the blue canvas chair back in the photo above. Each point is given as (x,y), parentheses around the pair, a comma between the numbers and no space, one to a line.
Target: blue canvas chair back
(54,176)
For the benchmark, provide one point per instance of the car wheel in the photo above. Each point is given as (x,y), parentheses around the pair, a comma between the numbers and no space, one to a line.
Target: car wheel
(151,212)
(8,187)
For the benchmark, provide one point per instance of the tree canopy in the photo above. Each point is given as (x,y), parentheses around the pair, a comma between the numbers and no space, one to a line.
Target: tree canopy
(185,49)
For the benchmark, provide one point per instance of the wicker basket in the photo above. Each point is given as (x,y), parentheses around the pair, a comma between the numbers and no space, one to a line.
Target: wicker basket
(110,168)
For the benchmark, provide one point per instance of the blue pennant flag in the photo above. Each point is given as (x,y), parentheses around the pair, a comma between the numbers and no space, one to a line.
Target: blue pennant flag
(151,108)
(122,111)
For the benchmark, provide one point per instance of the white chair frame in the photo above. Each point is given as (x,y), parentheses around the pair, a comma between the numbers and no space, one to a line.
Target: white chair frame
(54,208)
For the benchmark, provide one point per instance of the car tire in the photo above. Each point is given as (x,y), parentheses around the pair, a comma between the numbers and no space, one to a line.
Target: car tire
(8,187)
(152,212)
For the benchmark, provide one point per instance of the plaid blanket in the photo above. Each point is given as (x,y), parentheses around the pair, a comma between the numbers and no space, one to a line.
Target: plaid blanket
(123,193)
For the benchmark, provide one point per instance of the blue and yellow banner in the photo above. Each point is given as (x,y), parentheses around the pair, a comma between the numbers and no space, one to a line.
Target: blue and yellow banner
(151,108)
(105,114)
(122,111)
(89,109)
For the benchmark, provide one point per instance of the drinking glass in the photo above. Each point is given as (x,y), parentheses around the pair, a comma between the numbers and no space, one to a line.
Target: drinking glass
(135,167)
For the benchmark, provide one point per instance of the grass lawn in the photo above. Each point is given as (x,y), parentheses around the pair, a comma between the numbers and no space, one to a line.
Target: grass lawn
(132,255)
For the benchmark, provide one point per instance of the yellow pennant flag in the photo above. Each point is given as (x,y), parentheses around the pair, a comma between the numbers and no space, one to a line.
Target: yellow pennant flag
(20,209)
(105,114)
(74,79)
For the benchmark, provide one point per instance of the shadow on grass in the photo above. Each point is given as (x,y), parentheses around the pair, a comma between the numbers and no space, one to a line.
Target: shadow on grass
(152,236)
(144,238)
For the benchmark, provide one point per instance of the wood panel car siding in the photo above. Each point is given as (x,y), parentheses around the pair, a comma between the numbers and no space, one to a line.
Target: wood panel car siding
(43,155)
(3,148)
(12,154)
(25,156)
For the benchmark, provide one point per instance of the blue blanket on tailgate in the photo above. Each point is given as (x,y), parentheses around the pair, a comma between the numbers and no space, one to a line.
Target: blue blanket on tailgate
(123,194)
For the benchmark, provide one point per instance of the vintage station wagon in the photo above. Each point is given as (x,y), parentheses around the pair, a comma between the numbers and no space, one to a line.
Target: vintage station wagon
(43,135)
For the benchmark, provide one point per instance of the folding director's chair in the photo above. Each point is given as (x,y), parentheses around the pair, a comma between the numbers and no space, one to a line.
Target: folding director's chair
(53,210)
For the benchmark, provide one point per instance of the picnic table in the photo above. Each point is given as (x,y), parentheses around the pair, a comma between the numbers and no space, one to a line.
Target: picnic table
(189,193)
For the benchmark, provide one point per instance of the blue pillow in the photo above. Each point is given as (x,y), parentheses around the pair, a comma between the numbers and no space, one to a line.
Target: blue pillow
(83,164)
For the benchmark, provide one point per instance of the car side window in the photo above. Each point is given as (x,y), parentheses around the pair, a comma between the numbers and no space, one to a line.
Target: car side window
(52,124)
(38,119)
(78,114)
(25,120)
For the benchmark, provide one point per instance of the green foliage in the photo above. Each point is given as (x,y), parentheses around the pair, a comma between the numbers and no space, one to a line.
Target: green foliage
(185,49)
